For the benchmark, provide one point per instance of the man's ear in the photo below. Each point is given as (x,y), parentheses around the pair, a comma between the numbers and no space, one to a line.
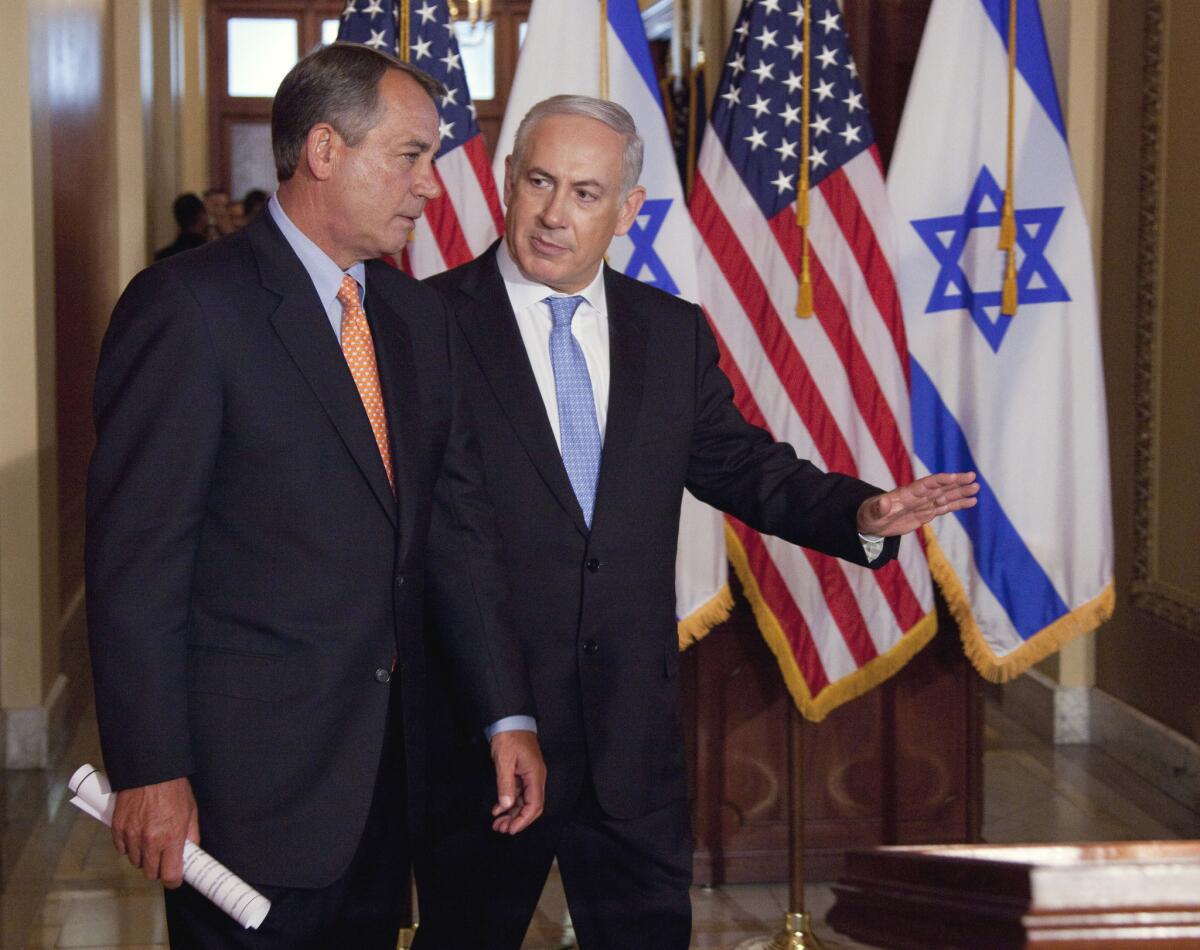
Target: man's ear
(629,210)
(509,171)
(320,148)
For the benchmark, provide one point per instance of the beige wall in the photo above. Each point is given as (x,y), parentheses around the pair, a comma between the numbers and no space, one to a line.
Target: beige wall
(1142,659)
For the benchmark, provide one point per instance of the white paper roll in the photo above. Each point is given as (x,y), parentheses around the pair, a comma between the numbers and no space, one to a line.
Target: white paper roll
(201,870)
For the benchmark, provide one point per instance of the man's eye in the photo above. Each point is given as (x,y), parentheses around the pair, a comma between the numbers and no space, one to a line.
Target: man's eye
(585,196)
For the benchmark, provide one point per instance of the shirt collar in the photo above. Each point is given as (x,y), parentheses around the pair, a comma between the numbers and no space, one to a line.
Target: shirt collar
(523,292)
(322,270)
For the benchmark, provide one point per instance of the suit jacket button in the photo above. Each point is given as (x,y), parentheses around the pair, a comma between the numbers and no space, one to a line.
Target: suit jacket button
(591,647)
(592,564)
(382,675)
(399,580)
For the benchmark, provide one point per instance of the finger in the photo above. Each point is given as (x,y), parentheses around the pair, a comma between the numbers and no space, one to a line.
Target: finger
(118,838)
(134,851)
(506,784)
(171,867)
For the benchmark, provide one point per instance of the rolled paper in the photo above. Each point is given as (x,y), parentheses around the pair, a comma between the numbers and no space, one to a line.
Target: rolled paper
(201,870)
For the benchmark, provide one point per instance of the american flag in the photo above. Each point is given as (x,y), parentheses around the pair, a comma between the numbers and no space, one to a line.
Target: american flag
(835,386)
(467,218)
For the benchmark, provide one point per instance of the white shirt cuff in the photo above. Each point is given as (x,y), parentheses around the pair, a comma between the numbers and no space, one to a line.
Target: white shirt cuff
(872,545)
(511,724)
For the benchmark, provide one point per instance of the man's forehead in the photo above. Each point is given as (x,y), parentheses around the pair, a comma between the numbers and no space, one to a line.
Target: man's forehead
(575,145)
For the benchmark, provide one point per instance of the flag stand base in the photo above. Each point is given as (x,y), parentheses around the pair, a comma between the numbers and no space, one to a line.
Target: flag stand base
(797,934)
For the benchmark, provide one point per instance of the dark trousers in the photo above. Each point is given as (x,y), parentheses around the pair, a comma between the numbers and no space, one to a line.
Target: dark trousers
(361,909)
(626,880)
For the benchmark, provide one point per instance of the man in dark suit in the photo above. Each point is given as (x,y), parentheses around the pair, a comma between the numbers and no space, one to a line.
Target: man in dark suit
(283,478)
(599,400)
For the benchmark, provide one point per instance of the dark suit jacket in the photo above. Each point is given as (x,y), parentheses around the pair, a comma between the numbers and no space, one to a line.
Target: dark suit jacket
(596,610)
(251,575)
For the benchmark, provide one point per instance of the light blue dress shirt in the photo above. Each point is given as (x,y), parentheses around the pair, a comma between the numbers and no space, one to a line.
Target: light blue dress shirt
(326,277)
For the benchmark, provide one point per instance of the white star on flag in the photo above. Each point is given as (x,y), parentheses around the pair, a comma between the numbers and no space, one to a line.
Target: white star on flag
(850,133)
(820,125)
(827,57)
(427,13)
(760,106)
(377,40)
(764,71)
(782,182)
(374,8)
(767,38)
(824,90)
(786,150)
(830,22)
(790,114)
(421,48)
(757,139)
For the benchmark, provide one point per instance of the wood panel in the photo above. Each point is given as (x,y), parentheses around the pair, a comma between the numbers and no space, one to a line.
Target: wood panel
(900,765)
(77,53)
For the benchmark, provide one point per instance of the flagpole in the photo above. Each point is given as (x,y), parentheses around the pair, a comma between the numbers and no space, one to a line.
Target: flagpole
(797,932)
(603,49)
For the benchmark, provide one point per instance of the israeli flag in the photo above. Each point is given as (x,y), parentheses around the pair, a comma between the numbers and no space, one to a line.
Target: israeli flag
(1020,399)
(561,55)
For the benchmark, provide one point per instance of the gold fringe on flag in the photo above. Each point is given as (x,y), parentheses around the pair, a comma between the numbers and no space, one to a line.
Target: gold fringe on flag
(865,678)
(1008,217)
(695,626)
(1083,619)
(603,49)
(804,299)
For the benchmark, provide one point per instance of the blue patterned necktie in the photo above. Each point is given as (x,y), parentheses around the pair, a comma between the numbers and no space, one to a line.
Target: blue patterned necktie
(579,435)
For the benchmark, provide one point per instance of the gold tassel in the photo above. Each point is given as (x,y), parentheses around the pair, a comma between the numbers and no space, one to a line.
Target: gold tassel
(1008,296)
(404,53)
(1008,216)
(804,296)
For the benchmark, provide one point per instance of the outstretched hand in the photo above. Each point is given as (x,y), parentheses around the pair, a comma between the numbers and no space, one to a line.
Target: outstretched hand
(906,508)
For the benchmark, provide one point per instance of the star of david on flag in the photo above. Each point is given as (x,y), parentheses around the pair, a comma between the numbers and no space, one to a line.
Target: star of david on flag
(947,237)
(461,223)
(561,55)
(1019,400)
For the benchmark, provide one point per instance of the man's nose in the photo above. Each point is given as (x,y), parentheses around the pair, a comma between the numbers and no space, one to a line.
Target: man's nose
(426,184)
(554,210)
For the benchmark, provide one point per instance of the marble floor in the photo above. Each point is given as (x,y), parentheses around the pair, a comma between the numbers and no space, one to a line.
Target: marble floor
(65,886)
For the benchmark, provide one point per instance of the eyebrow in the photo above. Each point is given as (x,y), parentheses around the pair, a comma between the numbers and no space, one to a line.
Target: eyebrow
(585,182)
(420,144)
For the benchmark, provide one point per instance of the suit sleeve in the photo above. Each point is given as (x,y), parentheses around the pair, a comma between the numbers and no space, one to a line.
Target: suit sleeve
(466,573)
(158,420)
(740,469)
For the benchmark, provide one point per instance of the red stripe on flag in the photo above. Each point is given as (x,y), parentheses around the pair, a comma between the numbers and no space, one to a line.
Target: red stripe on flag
(881,282)
(872,405)
(476,153)
(789,365)
(842,604)
(443,222)
(788,615)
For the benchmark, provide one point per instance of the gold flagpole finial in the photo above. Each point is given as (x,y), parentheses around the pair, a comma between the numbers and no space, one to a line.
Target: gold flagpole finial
(603,49)
(804,297)
(1008,215)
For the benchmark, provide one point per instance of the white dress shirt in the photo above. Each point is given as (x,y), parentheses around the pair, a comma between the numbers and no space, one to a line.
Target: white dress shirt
(589,327)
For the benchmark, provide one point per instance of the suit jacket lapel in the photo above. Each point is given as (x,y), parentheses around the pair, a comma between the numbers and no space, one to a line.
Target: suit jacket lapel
(302,325)
(402,400)
(491,330)
(627,370)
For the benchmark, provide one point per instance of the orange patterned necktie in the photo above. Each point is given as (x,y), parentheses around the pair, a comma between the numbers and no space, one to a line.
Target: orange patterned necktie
(360,357)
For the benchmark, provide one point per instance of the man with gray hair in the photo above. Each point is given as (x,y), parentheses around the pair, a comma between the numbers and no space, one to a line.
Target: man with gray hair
(283,479)
(599,399)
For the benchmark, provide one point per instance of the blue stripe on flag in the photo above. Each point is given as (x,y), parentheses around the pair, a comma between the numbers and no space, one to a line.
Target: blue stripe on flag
(1004,562)
(1033,56)
(626,21)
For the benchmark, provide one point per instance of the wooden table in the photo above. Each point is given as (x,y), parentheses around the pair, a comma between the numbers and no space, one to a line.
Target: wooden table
(1061,896)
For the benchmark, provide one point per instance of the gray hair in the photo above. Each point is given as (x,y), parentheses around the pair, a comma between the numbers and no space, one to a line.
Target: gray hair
(615,116)
(338,84)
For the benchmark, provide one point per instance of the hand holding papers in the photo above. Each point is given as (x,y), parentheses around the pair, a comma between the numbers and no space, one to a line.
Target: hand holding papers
(201,870)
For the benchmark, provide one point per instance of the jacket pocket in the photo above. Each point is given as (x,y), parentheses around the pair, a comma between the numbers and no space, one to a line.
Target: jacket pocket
(238,674)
